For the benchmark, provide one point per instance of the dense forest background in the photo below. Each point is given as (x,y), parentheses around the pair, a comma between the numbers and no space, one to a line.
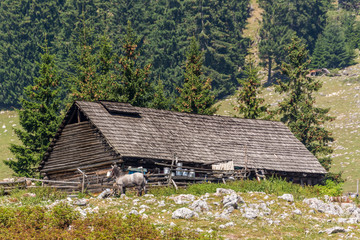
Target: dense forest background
(165,27)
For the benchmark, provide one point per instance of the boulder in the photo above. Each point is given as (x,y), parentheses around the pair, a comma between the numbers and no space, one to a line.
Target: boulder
(184,213)
(250,213)
(287,197)
(199,206)
(224,191)
(232,200)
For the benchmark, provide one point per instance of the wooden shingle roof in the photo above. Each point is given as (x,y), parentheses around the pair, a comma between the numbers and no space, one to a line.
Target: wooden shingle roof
(158,134)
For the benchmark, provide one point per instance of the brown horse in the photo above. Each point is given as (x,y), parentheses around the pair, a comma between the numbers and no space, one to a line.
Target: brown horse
(123,180)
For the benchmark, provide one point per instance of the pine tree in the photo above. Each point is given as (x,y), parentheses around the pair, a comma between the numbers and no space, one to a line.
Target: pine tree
(93,67)
(39,118)
(249,104)
(195,96)
(297,109)
(133,86)
(160,101)
(331,49)
(282,20)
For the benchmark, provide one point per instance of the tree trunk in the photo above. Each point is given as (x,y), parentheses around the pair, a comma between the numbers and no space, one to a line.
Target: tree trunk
(269,70)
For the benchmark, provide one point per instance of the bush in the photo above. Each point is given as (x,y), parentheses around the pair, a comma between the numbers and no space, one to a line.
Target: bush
(330,188)
(62,222)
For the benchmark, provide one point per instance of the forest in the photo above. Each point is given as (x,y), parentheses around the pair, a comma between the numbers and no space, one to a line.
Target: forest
(165,29)
(181,55)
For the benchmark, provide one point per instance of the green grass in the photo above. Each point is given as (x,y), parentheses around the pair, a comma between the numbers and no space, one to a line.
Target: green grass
(8,120)
(342,95)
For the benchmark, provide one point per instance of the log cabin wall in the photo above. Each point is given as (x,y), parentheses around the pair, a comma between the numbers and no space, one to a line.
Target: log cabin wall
(79,146)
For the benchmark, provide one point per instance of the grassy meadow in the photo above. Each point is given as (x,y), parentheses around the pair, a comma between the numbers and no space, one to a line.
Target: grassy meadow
(8,121)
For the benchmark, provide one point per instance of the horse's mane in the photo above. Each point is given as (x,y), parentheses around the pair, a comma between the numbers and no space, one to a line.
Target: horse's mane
(117,171)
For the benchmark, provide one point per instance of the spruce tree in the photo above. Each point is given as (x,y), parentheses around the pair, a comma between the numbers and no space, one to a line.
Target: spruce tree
(93,67)
(39,118)
(249,104)
(160,100)
(133,86)
(195,95)
(331,49)
(297,109)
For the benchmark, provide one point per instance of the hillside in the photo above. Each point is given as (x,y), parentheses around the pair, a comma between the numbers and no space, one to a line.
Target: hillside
(238,210)
(8,120)
(341,95)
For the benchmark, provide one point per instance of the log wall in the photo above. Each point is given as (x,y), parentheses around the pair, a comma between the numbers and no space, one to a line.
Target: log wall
(79,146)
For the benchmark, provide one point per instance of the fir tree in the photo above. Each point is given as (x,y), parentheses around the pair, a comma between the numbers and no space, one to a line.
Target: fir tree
(297,109)
(39,118)
(249,104)
(94,68)
(331,49)
(195,96)
(133,86)
(160,101)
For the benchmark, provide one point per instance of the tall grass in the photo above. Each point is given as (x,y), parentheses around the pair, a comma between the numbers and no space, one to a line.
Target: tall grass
(270,186)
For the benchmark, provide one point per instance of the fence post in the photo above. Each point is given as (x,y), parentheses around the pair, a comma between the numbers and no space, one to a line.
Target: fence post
(83,180)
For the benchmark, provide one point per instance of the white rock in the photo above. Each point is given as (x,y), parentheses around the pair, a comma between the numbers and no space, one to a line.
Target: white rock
(161,203)
(183,198)
(232,200)
(133,212)
(149,195)
(250,213)
(297,212)
(199,206)
(287,197)
(144,216)
(333,230)
(230,224)
(172,224)
(224,191)
(184,213)
(104,194)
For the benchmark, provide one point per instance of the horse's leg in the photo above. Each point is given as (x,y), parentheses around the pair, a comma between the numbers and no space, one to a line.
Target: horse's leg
(139,190)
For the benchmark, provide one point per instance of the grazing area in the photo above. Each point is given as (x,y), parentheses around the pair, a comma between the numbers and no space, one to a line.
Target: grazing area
(8,120)
(340,92)
(275,208)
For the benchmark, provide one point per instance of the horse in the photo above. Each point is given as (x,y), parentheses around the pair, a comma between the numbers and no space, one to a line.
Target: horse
(123,180)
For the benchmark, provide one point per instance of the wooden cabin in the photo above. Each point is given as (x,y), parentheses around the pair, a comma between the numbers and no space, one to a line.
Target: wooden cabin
(93,135)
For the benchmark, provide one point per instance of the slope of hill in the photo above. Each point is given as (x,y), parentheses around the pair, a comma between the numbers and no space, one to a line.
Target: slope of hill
(342,95)
(8,120)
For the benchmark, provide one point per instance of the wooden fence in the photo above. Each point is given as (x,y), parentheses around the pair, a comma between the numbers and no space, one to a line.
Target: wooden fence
(94,182)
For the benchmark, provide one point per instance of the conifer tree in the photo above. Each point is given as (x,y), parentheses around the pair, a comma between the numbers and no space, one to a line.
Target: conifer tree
(297,109)
(133,86)
(93,67)
(160,101)
(249,104)
(331,49)
(39,118)
(196,95)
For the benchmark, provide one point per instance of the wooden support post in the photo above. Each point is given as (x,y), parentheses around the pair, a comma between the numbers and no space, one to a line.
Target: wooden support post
(173,182)
(171,168)
(83,180)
